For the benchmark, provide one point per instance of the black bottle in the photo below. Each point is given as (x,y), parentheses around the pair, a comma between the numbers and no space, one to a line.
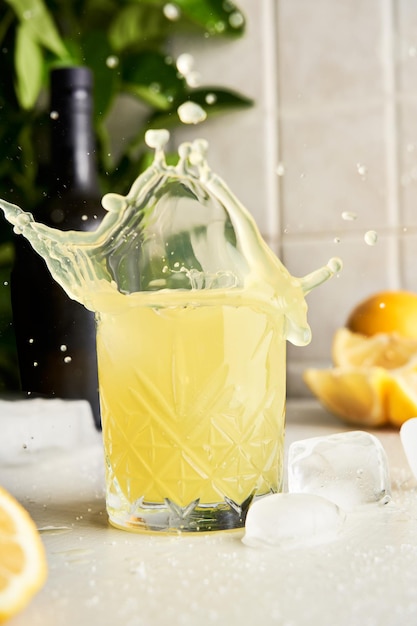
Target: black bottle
(55,336)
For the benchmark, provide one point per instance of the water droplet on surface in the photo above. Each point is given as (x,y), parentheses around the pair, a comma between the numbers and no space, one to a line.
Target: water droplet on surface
(336,240)
(63,347)
(67,359)
(54,530)
(54,115)
(280,169)
(371,237)
(84,218)
(191,113)
(35,364)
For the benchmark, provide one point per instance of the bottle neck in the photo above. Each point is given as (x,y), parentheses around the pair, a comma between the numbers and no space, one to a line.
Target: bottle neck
(73,159)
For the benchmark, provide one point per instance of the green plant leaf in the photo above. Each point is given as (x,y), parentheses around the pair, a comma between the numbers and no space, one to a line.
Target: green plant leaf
(38,21)
(29,67)
(153,79)
(137,26)
(217,17)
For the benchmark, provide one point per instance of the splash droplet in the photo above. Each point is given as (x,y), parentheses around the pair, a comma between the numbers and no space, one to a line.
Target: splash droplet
(171,12)
(211,98)
(349,216)
(362,170)
(280,169)
(112,61)
(236,19)
(193,79)
(156,139)
(185,63)
(371,237)
(191,113)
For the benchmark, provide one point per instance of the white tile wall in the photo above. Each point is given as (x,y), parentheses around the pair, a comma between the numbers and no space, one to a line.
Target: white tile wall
(335,85)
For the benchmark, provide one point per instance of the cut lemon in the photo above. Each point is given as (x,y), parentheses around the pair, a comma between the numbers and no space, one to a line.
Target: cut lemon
(389,350)
(355,394)
(23,566)
(386,312)
(402,394)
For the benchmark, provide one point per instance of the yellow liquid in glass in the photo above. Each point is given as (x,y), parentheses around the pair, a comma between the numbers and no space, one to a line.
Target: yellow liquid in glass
(193,401)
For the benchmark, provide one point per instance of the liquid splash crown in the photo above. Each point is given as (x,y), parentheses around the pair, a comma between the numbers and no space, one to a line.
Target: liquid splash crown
(178,228)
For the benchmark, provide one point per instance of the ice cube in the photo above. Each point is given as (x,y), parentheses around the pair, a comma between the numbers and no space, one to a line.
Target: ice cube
(350,469)
(408,435)
(289,520)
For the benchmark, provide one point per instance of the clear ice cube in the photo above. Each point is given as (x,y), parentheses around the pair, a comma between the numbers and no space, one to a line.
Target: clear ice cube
(408,435)
(289,520)
(350,469)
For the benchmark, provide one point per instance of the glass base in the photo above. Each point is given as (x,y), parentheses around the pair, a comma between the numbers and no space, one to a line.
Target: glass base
(168,517)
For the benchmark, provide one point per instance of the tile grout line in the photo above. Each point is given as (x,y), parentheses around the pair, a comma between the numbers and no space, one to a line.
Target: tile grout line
(391,137)
(271,131)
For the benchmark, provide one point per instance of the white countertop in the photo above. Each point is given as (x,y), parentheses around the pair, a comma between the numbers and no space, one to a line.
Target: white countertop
(101,575)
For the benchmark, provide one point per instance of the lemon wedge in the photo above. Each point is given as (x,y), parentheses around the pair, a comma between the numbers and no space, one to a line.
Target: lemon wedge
(389,350)
(23,567)
(357,395)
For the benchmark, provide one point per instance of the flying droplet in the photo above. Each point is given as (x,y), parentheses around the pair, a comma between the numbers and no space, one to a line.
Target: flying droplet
(171,12)
(185,63)
(211,98)
(280,169)
(362,170)
(191,113)
(371,237)
(349,216)
(193,79)
(112,61)
(236,19)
